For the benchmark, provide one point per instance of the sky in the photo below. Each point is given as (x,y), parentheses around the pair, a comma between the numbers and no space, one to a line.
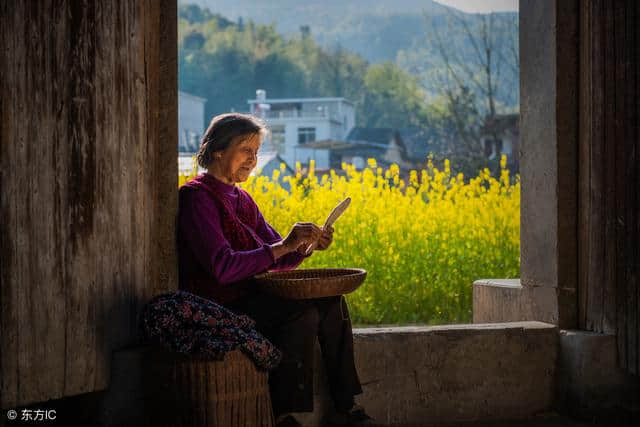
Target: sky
(482,6)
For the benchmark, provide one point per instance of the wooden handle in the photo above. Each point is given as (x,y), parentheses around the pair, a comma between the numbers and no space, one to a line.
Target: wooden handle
(331,219)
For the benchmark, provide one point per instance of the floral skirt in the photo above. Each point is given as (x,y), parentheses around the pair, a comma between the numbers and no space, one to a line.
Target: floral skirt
(186,323)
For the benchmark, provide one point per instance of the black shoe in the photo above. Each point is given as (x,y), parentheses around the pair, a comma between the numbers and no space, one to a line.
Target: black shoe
(288,421)
(356,417)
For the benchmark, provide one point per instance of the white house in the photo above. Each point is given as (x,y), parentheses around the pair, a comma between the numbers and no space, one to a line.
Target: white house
(191,123)
(295,122)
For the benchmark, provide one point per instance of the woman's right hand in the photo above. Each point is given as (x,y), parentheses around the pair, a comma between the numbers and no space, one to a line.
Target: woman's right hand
(302,234)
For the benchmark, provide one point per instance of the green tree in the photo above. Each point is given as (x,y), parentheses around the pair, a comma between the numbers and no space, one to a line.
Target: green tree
(457,123)
(392,98)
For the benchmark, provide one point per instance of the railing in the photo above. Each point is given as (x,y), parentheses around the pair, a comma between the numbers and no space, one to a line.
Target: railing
(294,114)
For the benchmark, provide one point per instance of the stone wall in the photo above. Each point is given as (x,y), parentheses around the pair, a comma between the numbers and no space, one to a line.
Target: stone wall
(410,376)
(418,375)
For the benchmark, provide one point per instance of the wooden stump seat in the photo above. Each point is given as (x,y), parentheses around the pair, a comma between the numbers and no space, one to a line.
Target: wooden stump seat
(183,390)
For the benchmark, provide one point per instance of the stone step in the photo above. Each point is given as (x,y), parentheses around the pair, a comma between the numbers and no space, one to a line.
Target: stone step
(424,375)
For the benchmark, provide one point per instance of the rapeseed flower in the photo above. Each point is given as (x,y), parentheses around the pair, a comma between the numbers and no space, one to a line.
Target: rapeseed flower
(423,241)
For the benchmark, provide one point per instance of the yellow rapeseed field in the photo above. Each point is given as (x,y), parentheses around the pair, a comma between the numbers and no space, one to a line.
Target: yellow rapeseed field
(423,242)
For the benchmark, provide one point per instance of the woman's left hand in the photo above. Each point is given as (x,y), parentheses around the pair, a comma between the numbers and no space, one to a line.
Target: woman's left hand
(325,238)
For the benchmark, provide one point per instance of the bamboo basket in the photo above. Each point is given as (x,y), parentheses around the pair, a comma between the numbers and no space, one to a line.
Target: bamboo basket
(183,390)
(312,283)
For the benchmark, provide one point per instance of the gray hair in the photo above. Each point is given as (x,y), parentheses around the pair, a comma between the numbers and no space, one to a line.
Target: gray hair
(225,129)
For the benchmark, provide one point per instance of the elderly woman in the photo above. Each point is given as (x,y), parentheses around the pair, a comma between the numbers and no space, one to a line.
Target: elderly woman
(223,241)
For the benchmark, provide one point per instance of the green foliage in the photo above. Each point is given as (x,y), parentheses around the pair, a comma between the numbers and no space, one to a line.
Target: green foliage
(400,31)
(226,62)
(386,85)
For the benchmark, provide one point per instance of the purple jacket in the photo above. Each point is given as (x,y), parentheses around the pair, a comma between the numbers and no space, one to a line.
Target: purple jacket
(208,265)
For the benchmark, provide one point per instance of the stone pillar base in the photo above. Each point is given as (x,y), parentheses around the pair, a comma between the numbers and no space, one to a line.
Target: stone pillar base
(506,300)
(589,382)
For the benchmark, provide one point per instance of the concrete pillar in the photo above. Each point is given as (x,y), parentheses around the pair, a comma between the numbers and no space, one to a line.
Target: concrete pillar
(548,165)
(548,156)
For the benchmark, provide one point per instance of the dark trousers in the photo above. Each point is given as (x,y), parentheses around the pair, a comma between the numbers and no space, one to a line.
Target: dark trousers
(293,325)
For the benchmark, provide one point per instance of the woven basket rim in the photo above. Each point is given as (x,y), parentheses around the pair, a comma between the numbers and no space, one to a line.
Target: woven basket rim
(312,283)
(274,274)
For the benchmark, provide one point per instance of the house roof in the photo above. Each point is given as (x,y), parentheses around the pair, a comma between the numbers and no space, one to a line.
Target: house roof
(326,144)
(265,158)
(374,142)
(376,135)
(352,148)
(418,142)
(501,123)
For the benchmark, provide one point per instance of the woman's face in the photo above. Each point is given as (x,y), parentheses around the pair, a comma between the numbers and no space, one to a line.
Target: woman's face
(240,158)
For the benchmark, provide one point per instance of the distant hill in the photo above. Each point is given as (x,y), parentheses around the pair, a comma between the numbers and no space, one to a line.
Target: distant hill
(401,31)
(376,29)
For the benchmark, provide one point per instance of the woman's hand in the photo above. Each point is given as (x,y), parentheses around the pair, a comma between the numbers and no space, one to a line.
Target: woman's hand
(302,234)
(326,238)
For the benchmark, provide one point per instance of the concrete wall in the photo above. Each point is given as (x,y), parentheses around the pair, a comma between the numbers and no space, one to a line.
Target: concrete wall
(497,300)
(191,120)
(410,376)
(589,382)
(506,300)
(423,375)
(291,154)
(429,375)
(548,164)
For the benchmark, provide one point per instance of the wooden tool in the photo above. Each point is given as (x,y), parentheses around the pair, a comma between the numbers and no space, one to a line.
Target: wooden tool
(331,219)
